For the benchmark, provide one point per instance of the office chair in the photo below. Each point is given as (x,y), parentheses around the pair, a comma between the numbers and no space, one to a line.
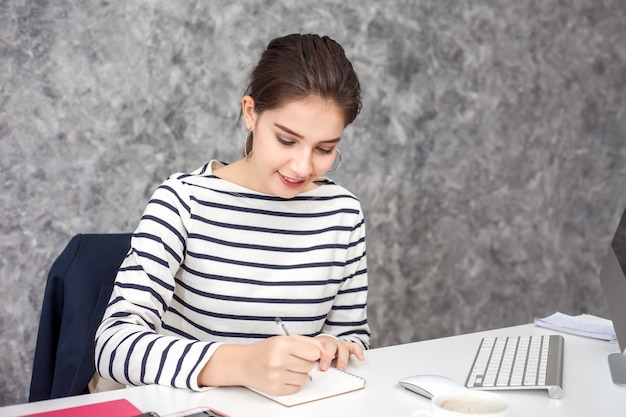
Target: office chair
(77,292)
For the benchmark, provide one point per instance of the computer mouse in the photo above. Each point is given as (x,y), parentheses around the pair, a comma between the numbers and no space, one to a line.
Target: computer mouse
(431,385)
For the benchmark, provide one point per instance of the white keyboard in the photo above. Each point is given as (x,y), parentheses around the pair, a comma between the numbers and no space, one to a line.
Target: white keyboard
(519,363)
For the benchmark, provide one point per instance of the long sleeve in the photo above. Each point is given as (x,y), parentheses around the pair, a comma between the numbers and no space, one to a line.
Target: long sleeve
(348,316)
(130,348)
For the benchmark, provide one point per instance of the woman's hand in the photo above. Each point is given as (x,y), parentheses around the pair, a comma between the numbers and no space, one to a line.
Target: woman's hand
(278,365)
(340,350)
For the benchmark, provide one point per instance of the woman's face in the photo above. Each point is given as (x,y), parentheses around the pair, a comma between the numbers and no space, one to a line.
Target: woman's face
(293,145)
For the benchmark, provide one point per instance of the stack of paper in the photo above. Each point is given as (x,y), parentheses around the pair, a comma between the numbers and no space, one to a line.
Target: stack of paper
(583,325)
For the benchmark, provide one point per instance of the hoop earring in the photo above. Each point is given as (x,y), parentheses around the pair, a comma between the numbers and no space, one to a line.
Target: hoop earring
(247,144)
(338,164)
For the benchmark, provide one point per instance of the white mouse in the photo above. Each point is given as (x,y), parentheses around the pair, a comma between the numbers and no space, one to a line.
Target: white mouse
(430,385)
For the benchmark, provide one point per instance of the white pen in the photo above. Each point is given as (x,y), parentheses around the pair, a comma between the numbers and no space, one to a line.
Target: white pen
(280,323)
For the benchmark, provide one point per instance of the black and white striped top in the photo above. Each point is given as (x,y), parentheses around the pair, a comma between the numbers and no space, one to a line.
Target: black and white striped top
(212,262)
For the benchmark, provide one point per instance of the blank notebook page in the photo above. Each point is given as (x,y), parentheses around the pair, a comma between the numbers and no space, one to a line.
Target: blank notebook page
(323,385)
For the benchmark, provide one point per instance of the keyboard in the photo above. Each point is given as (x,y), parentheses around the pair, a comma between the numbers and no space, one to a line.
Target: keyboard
(519,363)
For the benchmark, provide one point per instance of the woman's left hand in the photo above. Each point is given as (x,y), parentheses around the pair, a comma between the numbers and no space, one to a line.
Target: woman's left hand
(341,351)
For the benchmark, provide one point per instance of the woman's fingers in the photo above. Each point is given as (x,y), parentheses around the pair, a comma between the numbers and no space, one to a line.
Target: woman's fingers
(341,351)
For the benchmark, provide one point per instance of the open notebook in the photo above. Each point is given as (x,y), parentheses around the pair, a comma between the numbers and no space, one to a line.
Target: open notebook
(323,385)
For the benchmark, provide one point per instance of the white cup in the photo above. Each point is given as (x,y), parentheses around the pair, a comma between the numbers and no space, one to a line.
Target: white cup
(466,402)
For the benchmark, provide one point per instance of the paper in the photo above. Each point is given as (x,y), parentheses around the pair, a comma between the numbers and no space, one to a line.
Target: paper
(583,325)
(117,408)
(323,385)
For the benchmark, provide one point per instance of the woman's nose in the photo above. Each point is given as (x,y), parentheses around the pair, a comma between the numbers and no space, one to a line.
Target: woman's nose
(302,163)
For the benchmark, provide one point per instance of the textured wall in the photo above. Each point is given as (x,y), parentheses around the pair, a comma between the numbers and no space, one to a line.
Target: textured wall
(489,156)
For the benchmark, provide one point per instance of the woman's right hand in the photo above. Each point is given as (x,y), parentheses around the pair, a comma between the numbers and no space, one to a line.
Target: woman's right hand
(278,365)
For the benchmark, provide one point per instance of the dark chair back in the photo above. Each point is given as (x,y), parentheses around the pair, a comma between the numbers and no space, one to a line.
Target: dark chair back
(77,292)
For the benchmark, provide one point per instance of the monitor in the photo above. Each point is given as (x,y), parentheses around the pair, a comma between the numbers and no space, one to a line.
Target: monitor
(613,280)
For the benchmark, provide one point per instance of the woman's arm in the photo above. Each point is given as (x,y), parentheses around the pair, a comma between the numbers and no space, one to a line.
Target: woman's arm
(129,349)
(346,331)
(278,365)
(347,319)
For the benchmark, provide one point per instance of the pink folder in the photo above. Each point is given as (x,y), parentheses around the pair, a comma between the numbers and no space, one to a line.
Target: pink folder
(114,408)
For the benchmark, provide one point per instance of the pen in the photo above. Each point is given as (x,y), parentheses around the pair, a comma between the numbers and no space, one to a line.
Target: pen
(280,323)
(282,326)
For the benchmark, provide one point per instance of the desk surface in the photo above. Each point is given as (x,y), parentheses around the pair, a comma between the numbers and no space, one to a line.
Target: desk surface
(587,383)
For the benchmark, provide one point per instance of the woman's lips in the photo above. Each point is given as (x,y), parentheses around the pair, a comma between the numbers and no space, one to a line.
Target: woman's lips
(289,182)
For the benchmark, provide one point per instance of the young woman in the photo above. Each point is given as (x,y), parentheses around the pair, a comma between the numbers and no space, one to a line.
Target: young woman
(224,251)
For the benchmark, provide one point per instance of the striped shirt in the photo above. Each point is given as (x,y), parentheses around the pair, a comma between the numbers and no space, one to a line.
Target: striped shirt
(212,262)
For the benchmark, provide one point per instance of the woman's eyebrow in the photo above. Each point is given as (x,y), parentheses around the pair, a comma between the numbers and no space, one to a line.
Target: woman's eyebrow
(299,136)
(287,130)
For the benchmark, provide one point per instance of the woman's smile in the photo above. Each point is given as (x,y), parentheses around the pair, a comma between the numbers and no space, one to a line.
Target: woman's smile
(290,182)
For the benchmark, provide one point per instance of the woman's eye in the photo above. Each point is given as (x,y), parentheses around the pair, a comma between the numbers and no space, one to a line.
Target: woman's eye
(284,141)
(324,151)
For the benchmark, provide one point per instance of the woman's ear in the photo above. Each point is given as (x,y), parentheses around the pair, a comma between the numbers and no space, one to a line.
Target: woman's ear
(249,114)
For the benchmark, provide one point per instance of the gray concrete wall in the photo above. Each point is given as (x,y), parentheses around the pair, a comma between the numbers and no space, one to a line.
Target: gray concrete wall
(489,156)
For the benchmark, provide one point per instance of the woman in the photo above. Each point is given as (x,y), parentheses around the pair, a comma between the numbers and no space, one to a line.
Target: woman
(220,253)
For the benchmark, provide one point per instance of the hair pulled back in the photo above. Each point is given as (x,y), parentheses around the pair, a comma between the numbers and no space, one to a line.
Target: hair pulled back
(301,66)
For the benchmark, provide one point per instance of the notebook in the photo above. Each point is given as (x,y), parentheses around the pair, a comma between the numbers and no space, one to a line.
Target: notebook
(322,385)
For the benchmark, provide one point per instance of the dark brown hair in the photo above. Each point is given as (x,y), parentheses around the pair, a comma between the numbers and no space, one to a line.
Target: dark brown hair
(300,66)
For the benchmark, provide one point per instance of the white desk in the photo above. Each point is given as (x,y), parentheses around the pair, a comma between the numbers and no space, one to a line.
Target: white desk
(589,391)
